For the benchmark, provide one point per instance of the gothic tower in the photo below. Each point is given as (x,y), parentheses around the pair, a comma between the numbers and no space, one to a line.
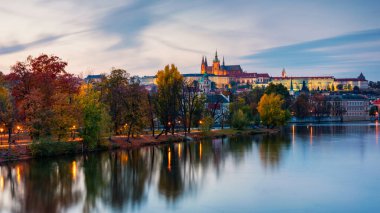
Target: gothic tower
(203,66)
(216,65)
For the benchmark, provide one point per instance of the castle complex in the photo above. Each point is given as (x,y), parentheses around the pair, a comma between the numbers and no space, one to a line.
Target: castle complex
(226,76)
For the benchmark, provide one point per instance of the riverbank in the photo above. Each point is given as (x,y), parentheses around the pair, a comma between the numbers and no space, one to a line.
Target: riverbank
(54,149)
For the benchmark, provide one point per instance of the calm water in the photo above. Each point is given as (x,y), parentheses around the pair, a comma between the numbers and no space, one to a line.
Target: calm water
(325,168)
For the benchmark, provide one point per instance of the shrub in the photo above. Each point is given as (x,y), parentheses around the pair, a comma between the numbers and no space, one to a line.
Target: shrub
(45,149)
(239,120)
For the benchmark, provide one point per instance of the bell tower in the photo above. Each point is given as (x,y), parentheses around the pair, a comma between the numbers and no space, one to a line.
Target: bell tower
(216,65)
(203,66)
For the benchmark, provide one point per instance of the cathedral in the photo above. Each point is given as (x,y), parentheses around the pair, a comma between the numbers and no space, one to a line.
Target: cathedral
(217,69)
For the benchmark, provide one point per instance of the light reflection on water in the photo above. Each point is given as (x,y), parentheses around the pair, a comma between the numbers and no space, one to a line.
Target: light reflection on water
(244,174)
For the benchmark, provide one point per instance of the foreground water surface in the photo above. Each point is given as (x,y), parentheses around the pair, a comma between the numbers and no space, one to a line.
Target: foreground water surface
(319,168)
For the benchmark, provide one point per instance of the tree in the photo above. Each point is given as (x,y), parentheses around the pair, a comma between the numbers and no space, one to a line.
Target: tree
(356,89)
(169,83)
(279,89)
(43,94)
(271,112)
(301,106)
(8,114)
(239,120)
(191,102)
(136,106)
(339,87)
(373,110)
(94,120)
(206,124)
(113,90)
(320,106)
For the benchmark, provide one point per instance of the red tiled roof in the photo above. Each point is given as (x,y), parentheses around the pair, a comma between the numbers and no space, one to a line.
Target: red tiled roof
(312,77)
(263,75)
(348,79)
(242,75)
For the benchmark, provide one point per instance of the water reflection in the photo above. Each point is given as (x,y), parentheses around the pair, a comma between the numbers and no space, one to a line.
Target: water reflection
(127,180)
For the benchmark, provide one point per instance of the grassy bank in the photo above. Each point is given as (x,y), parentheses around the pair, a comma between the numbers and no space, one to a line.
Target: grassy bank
(51,149)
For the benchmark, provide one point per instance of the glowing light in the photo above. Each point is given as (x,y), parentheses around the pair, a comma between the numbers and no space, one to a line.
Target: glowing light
(200,151)
(18,173)
(74,170)
(179,150)
(1,130)
(293,134)
(311,135)
(169,159)
(2,183)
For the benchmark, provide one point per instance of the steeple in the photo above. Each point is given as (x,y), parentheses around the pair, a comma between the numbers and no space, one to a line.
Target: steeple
(283,73)
(203,59)
(216,56)
(291,84)
(223,62)
(361,77)
(206,61)
(291,91)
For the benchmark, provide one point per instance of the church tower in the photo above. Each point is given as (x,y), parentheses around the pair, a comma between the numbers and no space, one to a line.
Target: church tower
(283,73)
(203,66)
(216,65)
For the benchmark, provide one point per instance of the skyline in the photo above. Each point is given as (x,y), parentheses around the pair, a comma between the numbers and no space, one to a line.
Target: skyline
(340,38)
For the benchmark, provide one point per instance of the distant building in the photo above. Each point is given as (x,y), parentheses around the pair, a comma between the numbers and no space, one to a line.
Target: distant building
(349,83)
(94,78)
(353,107)
(311,82)
(223,75)
(218,105)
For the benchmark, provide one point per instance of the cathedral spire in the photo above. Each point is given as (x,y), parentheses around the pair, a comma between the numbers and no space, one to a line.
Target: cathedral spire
(203,59)
(216,56)
(206,61)
(223,61)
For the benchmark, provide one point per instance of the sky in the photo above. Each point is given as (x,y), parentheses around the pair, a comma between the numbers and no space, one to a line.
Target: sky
(307,38)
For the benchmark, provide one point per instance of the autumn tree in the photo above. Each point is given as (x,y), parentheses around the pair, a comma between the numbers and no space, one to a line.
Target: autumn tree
(113,89)
(301,107)
(8,114)
(43,93)
(270,110)
(169,83)
(135,103)
(279,89)
(320,106)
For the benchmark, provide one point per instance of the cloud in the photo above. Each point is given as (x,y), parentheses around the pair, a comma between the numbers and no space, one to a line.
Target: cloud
(143,36)
(358,51)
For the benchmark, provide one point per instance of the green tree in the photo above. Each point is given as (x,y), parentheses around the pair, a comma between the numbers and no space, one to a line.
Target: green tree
(279,89)
(206,124)
(270,110)
(169,83)
(94,119)
(239,120)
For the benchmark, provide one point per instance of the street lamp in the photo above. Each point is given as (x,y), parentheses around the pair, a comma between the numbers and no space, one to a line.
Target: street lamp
(18,132)
(73,128)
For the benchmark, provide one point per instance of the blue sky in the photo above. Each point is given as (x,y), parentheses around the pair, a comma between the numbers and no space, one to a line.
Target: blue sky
(320,37)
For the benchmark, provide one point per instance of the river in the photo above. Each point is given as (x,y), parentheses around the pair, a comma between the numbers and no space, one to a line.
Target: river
(318,168)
